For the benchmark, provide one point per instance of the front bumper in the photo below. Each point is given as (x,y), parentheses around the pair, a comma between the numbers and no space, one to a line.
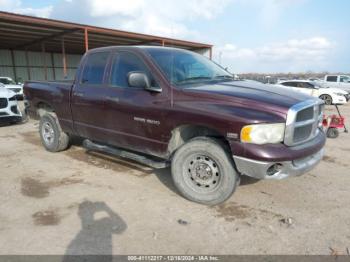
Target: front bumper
(262,170)
(339,100)
(10,111)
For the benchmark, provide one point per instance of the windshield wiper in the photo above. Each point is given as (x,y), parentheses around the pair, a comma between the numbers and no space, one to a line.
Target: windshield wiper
(224,76)
(193,78)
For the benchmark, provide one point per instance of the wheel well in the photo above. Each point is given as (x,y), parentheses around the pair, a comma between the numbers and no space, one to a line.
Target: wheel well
(182,134)
(43,107)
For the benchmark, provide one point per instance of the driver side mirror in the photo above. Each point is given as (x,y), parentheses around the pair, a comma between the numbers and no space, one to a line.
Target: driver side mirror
(141,80)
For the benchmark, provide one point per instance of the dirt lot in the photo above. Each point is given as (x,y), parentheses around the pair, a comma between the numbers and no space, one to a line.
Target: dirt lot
(81,202)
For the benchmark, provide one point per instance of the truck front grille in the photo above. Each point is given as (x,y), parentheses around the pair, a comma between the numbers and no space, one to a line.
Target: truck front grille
(3,102)
(302,133)
(303,121)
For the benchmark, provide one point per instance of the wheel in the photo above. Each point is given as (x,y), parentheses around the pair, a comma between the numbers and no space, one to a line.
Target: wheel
(51,134)
(204,172)
(327,99)
(332,132)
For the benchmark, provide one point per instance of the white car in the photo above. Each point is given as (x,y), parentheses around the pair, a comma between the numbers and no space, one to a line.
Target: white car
(9,110)
(11,85)
(330,96)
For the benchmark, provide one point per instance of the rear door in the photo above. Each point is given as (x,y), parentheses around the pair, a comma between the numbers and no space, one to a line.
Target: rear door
(88,96)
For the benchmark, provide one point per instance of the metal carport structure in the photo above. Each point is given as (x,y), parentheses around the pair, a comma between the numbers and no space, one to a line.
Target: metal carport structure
(38,48)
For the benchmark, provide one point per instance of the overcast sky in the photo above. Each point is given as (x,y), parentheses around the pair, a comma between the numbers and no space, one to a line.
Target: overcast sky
(249,35)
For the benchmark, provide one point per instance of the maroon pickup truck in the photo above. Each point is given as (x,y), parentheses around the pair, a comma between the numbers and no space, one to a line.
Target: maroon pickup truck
(170,107)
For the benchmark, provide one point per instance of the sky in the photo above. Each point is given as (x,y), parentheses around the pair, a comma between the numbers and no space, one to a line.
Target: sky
(263,36)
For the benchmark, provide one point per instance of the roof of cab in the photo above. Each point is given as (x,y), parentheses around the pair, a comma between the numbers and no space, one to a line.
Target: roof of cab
(138,47)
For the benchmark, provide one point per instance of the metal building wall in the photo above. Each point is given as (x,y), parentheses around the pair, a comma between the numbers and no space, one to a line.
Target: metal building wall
(31,65)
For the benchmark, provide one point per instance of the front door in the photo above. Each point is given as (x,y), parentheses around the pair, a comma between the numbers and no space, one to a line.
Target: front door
(135,117)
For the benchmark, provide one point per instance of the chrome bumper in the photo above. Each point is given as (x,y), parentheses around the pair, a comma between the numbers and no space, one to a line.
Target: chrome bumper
(259,169)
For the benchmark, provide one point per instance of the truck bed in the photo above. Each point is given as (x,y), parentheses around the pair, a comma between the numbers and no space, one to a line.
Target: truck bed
(50,94)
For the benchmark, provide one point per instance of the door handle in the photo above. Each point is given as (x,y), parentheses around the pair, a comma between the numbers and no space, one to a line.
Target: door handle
(79,94)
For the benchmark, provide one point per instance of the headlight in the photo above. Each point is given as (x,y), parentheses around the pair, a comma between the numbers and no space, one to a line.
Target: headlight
(340,94)
(13,98)
(263,133)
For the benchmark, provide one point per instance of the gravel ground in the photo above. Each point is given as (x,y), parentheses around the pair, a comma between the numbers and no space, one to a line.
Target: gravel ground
(79,202)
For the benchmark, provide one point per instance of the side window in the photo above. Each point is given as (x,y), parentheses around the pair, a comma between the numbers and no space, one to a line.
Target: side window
(94,68)
(344,79)
(293,84)
(305,85)
(309,85)
(123,64)
(332,78)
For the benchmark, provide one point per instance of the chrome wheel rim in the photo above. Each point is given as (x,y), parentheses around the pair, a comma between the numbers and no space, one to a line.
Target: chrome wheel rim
(202,173)
(48,133)
(327,99)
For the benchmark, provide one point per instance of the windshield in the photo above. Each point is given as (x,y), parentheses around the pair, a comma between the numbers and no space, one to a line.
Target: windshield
(7,81)
(184,67)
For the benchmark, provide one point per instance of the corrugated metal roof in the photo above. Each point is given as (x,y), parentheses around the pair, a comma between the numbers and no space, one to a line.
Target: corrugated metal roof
(27,32)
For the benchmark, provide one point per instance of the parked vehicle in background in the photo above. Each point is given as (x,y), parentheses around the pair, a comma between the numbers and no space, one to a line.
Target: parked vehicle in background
(165,106)
(314,79)
(13,86)
(337,81)
(9,110)
(330,96)
(280,80)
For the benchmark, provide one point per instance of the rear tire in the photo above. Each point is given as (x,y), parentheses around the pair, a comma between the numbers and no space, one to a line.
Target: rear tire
(332,132)
(204,172)
(327,99)
(51,134)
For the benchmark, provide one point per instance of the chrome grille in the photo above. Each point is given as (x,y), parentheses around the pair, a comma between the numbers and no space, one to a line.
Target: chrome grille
(301,133)
(305,114)
(303,121)
(3,102)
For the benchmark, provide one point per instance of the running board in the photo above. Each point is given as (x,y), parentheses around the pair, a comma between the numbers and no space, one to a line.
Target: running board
(125,154)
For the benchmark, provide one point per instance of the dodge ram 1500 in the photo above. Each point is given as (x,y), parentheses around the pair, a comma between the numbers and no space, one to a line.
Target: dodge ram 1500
(171,107)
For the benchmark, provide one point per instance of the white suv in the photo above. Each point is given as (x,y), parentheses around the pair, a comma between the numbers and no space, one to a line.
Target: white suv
(330,96)
(9,110)
(11,85)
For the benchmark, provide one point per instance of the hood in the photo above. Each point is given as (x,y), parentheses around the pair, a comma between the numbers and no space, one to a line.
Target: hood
(5,93)
(251,92)
(13,86)
(335,90)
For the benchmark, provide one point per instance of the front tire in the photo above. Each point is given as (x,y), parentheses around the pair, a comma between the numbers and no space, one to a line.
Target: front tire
(327,99)
(332,132)
(51,134)
(204,172)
